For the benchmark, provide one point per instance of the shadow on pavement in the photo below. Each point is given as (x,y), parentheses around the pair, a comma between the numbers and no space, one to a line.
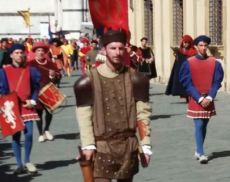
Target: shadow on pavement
(215,155)
(67,105)
(155,117)
(153,94)
(76,74)
(66,86)
(68,136)
(182,102)
(6,175)
(13,178)
(55,164)
(5,151)
(62,82)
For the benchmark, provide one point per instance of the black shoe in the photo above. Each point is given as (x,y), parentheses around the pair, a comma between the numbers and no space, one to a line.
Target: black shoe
(20,170)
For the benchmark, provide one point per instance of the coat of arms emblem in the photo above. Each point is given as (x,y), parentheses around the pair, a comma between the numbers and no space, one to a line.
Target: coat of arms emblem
(9,114)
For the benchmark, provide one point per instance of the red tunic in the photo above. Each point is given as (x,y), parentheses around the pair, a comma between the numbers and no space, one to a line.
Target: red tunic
(202,72)
(43,68)
(84,50)
(23,89)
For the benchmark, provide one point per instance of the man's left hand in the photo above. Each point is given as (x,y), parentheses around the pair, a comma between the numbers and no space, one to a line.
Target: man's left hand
(205,102)
(147,158)
(51,73)
(144,159)
(27,104)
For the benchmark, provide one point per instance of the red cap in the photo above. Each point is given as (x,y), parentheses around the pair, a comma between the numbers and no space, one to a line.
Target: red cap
(85,40)
(40,45)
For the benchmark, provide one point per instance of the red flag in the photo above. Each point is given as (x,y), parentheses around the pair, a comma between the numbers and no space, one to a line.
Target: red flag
(10,119)
(109,14)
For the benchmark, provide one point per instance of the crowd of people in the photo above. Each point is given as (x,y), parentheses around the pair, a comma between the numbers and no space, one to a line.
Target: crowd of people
(81,54)
(112,95)
(38,62)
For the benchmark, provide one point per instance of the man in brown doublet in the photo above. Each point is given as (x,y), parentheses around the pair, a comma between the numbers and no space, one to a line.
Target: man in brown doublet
(112,103)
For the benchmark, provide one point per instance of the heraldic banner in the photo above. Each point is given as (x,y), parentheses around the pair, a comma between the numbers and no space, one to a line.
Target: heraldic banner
(10,119)
(109,14)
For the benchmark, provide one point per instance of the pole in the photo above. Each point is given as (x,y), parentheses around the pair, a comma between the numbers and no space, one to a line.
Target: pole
(29,24)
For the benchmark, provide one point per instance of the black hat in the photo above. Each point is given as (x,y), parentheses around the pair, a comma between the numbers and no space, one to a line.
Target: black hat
(94,41)
(144,38)
(4,40)
(114,36)
(59,43)
(15,47)
(202,38)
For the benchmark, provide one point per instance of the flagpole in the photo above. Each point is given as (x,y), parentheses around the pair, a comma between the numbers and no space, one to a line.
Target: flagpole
(29,25)
(29,30)
(49,28)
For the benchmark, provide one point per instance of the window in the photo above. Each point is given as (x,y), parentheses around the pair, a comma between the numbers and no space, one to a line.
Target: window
(215,21)
(148,20)
(177,21)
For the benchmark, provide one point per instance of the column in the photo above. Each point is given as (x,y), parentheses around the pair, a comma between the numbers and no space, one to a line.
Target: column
(166,38)
(201,22)
(227,44)
(189,17)
(158,36)
(139,17)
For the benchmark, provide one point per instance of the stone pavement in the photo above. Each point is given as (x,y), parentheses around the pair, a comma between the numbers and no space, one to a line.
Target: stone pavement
(172,138)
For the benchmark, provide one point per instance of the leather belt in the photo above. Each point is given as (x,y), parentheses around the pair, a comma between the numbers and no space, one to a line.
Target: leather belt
(120,135)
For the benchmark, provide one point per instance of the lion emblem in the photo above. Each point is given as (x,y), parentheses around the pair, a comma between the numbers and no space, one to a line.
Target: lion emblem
(8,113)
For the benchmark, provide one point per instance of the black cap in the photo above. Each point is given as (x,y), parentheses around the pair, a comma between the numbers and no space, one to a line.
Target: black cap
(4,40)
(94,41)
(144,38)
(59,43)
(114,36)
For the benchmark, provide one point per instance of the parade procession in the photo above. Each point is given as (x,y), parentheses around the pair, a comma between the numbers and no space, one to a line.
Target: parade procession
(114,90)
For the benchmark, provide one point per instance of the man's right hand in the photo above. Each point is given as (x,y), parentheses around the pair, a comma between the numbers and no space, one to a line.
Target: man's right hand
(88,154)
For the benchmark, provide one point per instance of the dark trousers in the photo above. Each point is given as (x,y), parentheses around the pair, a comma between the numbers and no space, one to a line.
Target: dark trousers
(48,119)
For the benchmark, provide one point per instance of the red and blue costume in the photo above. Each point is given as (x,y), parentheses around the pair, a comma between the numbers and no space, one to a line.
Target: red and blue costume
(43,67)
(27,90)
(201,77)
(190,76)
